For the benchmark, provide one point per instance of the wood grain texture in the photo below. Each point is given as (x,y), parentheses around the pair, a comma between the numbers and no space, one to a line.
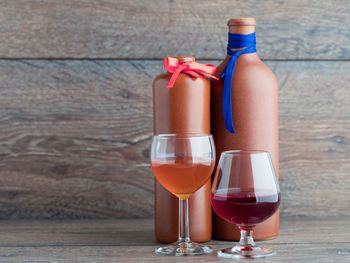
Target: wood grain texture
(74,140)
(286,253)
(122,232)
(314,111)
(75,137)
(301,240)
(155,29)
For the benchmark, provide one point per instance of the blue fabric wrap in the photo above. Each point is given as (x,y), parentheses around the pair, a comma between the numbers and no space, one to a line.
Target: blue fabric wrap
(234,41)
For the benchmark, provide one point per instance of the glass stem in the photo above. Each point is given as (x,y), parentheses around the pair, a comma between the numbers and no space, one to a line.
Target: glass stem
(184,230)
(247,240)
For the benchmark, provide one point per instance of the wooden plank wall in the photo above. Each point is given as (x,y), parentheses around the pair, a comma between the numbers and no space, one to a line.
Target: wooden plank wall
(76,102)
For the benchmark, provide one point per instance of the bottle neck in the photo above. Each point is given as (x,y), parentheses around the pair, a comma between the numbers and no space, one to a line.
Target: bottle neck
(241,29)
(241,25)
(249,57)
(185,59)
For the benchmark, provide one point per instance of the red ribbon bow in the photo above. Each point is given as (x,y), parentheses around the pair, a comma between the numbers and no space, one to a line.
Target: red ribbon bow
(194,69)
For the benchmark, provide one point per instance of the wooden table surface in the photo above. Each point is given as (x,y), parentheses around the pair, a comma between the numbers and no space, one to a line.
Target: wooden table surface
(300,240)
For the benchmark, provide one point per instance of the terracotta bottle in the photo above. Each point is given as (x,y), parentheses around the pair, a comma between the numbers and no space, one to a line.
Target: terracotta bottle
(185,108)
(255,120)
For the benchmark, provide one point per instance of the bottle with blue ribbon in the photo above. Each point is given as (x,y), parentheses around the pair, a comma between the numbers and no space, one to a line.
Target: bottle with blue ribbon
(244,113)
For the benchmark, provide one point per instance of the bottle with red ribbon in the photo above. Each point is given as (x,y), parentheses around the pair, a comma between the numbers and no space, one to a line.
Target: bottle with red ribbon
(181,104)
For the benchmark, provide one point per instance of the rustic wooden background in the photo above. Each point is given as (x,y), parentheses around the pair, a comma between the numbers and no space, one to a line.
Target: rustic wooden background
(76,102)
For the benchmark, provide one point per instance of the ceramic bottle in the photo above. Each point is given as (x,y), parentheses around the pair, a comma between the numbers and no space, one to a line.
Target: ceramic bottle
(183,109)
(255,120)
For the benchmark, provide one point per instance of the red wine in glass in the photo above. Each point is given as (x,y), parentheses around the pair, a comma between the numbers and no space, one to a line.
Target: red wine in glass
(245,192)
(245,208)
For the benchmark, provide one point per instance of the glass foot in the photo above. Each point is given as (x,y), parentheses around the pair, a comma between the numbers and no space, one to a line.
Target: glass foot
(246,252)
(184,249)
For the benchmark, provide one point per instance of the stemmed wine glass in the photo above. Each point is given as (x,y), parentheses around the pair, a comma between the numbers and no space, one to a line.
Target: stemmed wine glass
(245,192)
(183,164)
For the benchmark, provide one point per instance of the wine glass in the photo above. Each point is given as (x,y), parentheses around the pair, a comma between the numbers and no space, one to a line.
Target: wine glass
(245,192)
(183,164)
